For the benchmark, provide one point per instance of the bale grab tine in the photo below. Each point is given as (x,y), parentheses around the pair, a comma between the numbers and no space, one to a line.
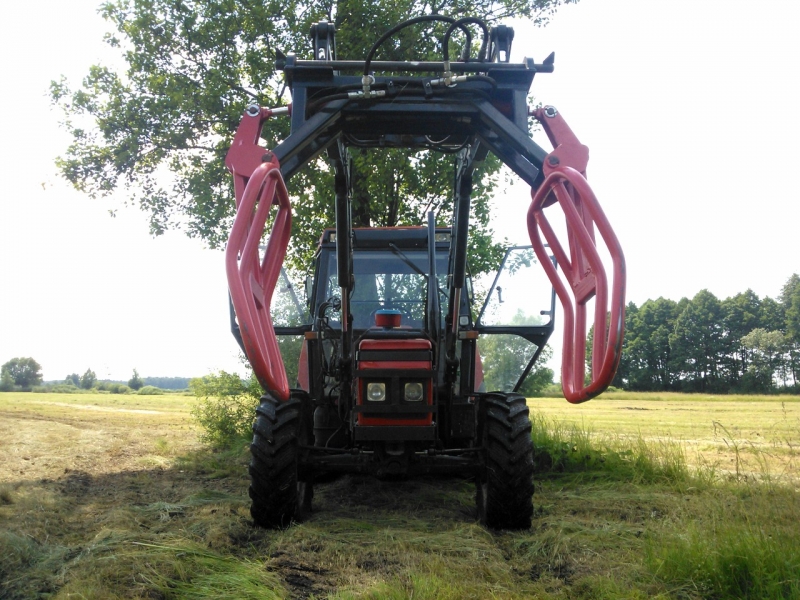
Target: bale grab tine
(258,185)
(565,184)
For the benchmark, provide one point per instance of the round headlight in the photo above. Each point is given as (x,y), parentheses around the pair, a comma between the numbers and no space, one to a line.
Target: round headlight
(413,392)
(376,392)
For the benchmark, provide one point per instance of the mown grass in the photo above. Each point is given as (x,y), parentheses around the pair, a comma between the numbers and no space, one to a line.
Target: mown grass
(147,512)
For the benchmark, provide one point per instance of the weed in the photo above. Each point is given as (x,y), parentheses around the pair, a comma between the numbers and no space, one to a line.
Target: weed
(162,447)
(225,408)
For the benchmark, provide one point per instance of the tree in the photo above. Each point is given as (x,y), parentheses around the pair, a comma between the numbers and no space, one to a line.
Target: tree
(650,353)
(88,379)
(627,363)
(790,300)
(192,68)
(73,379)
(24,372)
(740,315)
(135,382)
(767,348)
(771,315)
(696,342)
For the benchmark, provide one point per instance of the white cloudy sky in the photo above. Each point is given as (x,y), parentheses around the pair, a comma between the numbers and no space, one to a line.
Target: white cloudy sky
(689,110)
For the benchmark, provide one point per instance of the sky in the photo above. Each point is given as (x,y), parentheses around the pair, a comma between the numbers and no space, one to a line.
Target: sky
(688,108)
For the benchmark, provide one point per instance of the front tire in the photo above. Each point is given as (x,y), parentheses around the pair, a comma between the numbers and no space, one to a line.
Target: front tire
(279,490)
(504,491)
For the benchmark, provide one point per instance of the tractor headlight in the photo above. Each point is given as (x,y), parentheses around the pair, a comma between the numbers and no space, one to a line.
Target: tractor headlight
(376,392)
(413,392)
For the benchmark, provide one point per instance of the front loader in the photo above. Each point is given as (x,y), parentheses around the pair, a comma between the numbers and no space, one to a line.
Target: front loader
(390,377)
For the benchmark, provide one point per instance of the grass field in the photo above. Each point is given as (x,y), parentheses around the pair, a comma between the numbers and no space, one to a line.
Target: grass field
(756,436)
(637,496)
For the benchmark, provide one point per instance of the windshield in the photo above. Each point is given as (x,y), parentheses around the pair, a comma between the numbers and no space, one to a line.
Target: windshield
(384,279)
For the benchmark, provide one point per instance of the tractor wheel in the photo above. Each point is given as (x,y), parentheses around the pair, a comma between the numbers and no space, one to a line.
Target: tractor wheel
(279,489)
(504,491)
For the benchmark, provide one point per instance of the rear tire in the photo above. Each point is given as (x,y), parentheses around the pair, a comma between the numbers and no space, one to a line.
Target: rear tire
(504,491)
(279,489)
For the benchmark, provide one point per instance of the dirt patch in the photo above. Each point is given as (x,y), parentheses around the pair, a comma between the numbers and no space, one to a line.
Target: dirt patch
(303,580)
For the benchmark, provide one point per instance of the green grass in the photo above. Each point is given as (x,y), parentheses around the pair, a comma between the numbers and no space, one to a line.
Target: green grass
(98,501)
(745,545)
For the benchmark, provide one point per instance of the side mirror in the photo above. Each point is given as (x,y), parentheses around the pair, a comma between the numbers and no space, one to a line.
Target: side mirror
(309,290)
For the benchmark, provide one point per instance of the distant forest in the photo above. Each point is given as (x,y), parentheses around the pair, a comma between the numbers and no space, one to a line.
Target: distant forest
(741,344)
(165,383)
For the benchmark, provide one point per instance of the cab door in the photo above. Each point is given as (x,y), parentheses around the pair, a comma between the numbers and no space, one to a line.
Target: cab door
(516,321)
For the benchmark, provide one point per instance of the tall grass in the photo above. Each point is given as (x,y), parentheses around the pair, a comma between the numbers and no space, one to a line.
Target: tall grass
(747,558)
(568,448)
(739,539)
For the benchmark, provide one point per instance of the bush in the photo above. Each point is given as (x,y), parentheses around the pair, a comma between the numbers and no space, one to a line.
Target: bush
(63,388)
(226,407)
(150,390)
(552,391)
(118,388)
(6,382)
(57,388)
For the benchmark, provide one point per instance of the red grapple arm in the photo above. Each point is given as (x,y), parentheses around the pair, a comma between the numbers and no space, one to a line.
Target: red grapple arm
(565,183)
(258,185)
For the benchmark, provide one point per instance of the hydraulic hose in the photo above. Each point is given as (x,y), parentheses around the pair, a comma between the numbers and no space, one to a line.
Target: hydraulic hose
(403,25)
(465,54)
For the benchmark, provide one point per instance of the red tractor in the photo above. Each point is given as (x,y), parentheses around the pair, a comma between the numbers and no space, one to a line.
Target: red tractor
(390,378)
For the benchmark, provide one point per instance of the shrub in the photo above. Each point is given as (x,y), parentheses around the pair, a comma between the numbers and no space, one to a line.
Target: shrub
(57,388)
(118,388)
(226,407)
(552,391)
(6,382)
(150,390)
(63,388)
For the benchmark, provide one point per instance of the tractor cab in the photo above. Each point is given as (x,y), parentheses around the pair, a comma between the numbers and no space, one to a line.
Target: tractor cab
(391,272)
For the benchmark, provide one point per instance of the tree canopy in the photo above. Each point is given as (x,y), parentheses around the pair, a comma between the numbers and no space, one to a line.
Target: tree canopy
(21,372)
(160,126)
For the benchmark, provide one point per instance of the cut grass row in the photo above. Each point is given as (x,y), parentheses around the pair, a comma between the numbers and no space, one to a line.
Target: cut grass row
(618,515)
